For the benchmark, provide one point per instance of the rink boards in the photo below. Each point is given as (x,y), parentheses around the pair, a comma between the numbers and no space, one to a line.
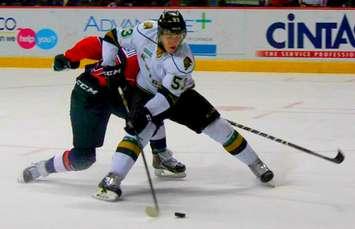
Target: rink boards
(222,39)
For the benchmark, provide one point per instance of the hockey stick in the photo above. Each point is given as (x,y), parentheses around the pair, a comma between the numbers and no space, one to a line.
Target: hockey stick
(150,211)
(339,158)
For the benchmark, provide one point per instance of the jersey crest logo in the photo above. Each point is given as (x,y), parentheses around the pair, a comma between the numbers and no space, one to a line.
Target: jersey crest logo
(147,25)
(187,62)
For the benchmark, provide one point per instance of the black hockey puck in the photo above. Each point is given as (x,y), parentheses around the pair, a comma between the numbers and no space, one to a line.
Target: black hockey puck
(180,214)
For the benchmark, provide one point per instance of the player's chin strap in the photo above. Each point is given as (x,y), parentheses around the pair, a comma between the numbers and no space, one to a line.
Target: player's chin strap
(339,158)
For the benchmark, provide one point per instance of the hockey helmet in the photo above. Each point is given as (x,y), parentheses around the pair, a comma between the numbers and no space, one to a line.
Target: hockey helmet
(171,22)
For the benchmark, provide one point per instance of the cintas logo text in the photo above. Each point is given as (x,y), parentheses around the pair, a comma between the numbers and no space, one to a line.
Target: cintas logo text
(316,35)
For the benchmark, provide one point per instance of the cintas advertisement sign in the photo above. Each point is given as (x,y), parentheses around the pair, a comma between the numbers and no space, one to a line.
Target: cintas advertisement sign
(298,35)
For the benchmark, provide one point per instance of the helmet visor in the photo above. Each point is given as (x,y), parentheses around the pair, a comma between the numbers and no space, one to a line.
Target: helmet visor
(173,35)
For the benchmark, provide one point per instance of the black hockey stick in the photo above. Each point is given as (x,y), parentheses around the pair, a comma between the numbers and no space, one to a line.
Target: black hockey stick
(339,158)
(150,211)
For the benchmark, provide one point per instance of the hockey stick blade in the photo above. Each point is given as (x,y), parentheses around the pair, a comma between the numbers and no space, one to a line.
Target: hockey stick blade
(152,211)
(339,158)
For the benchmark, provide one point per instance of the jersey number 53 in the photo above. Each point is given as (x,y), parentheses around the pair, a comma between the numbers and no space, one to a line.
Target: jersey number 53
(126,32)
(178,83)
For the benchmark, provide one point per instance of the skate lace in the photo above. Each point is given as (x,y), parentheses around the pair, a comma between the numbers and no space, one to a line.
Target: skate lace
(112,180)
(39,169)
(167,158)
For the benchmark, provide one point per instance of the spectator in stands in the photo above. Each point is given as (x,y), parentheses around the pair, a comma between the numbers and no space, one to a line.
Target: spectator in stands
(313,2)
(340,3)
(51,3)
(194,2)
(240,3)
(116,3)
(74,3)
(281,3)
(29,2)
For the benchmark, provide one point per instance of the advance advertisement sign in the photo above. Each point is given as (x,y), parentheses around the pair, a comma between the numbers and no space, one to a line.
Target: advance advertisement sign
(199,26)
(52,31)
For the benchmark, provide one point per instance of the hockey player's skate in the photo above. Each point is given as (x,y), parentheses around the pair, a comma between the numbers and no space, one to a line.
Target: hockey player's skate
(109,188)
(261,171)
(165,165)
(33,172)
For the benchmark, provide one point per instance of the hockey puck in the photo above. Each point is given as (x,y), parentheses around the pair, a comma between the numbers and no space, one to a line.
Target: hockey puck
(180,214)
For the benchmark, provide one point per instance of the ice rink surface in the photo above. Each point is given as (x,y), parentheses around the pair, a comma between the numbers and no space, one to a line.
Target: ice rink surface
(314,111)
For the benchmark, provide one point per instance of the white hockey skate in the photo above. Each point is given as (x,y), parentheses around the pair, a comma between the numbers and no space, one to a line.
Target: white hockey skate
(262,172)
(109,188)
(165,165)
(33,172)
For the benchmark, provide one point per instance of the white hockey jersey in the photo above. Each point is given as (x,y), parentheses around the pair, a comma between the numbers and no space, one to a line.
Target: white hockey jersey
(157,68)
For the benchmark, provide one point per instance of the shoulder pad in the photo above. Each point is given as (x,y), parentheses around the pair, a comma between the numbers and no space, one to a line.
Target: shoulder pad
(148,24)
(148,29)
(111,37)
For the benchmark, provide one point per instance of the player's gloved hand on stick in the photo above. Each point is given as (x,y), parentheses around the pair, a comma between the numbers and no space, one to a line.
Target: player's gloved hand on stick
(61,63)
(139,119)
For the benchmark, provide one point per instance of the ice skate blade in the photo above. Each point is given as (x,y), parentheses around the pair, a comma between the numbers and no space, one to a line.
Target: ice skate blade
(106,195)
(271,184)
(21,180)
(152,212)
(167,174)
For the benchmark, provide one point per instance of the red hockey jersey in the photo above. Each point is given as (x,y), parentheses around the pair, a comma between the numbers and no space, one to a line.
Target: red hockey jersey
(90,48)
